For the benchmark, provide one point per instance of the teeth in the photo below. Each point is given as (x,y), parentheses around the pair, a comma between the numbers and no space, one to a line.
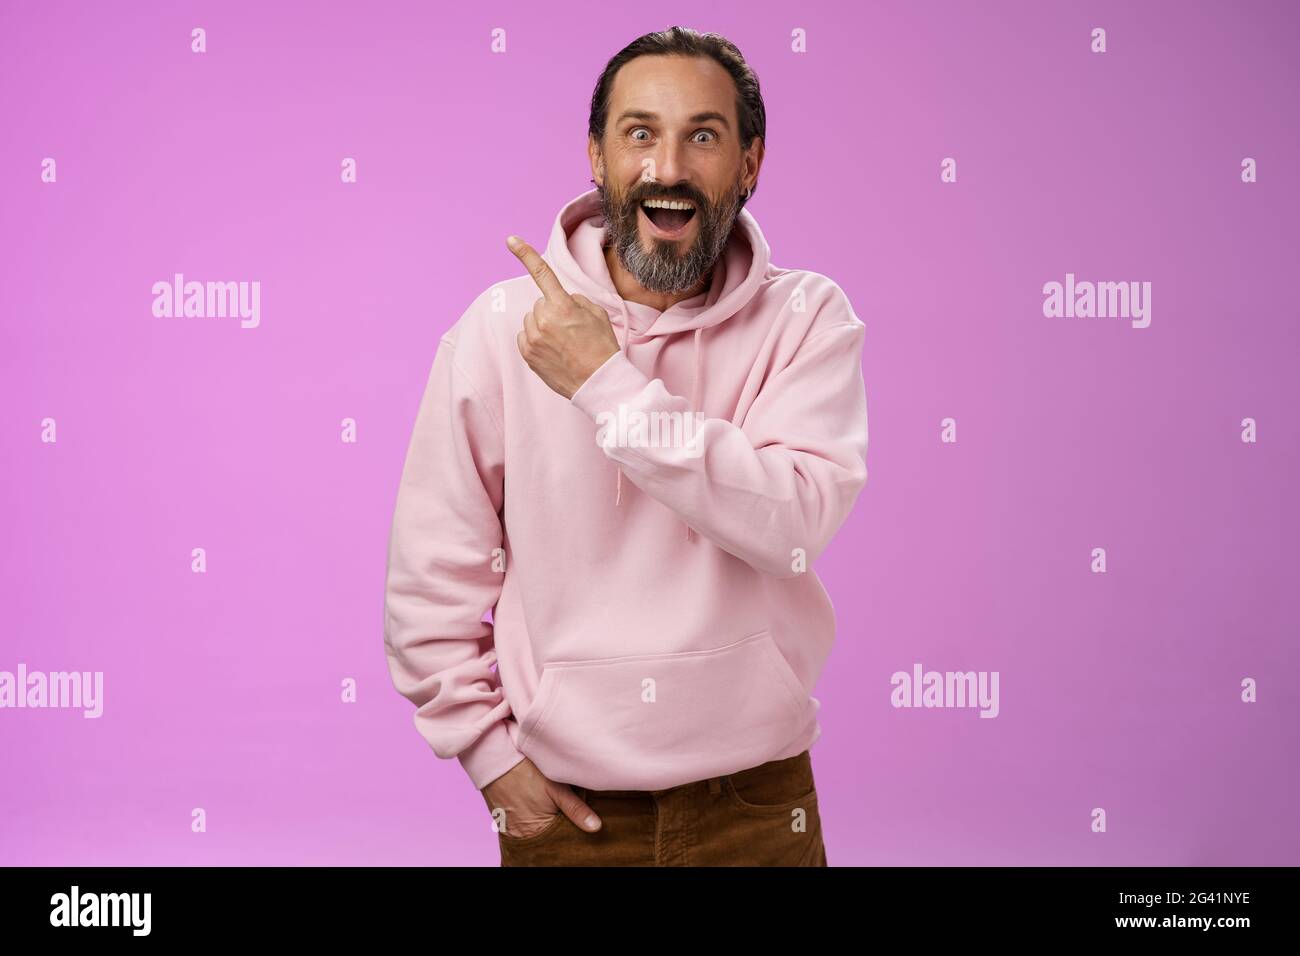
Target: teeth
(666,204)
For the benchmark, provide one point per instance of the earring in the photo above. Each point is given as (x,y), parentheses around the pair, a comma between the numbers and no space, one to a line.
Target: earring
(745,198)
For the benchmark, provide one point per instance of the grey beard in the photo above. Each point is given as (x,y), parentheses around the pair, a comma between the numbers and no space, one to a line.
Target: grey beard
(663,270)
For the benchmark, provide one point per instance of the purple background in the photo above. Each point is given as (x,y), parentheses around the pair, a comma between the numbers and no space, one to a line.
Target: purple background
(1118,691)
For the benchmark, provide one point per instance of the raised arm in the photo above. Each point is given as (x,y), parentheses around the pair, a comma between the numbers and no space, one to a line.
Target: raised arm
(779,484)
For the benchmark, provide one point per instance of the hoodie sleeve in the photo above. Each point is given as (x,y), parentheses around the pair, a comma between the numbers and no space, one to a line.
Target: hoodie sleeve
(785,479)
(440,578)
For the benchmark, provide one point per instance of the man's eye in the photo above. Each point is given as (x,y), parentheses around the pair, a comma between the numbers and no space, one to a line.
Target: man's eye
(705,132)
(640,129)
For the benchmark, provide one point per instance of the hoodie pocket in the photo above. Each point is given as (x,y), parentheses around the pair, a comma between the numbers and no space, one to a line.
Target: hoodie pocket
(655,721)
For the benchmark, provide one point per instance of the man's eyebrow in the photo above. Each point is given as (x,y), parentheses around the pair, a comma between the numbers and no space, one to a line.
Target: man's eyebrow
(649,117)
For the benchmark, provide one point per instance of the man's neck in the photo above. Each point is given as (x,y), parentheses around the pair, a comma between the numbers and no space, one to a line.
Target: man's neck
(632,291)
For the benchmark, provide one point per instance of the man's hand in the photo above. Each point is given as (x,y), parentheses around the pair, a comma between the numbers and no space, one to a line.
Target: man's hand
(531,801)
(565,337)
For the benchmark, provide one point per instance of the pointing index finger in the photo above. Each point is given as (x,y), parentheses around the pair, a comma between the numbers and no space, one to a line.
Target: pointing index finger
(546,279)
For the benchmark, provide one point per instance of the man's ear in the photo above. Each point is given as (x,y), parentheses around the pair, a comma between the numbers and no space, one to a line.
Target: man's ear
(753,159)
(597,160)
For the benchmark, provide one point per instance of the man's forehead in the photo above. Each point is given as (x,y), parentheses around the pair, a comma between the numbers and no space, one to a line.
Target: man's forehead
(672,87)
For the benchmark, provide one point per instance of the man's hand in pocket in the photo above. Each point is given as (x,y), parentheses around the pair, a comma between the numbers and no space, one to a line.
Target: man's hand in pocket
(531,801)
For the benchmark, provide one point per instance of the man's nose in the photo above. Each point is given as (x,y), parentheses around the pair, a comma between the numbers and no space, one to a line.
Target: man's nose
(669,163)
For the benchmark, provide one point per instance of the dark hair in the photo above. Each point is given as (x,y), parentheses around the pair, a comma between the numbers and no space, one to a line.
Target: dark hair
(683,41)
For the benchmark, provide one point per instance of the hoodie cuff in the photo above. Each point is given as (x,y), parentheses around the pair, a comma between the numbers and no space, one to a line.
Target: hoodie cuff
(490,756)
(616,382)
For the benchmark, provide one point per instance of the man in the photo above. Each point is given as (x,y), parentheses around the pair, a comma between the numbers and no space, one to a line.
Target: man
(634,471)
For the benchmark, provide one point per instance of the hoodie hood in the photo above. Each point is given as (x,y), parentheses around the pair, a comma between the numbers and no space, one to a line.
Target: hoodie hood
(576,253)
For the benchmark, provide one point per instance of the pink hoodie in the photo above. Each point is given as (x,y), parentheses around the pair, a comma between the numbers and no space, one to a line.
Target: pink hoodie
(655,616)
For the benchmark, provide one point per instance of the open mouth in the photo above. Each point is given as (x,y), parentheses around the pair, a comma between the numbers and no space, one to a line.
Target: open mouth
(668,217)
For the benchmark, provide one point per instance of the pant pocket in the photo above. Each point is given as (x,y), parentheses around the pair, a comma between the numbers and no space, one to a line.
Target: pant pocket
(656,721)
(777,788)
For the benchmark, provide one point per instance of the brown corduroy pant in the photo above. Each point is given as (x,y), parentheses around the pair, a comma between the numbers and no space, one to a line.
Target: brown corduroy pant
(764,816)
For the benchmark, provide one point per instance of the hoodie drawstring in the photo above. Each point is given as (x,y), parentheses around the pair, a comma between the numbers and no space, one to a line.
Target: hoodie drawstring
(695,398)
(627,337)
(695,401)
